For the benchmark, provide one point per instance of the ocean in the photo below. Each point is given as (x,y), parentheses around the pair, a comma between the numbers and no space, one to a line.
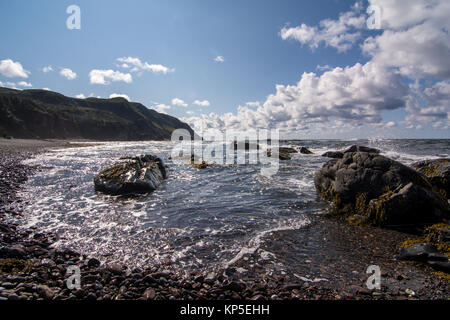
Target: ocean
(197,219)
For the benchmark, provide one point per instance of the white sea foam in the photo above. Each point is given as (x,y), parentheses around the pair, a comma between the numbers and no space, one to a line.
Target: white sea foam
(256,241)
(310,280)
(196,217)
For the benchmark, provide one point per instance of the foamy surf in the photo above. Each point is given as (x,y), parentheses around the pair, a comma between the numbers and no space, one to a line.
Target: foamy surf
(196,218)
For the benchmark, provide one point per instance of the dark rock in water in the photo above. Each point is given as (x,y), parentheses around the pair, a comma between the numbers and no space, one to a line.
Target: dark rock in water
(281,155)
(417,252)
(438,173)
(284,156)
(137,175)
(305,150)
(356,148)
(381,190)
(333,154)
(245,145)
(287,150)
(201,164)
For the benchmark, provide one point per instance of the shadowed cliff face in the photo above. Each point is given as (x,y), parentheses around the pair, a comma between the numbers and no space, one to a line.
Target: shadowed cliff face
(50,115)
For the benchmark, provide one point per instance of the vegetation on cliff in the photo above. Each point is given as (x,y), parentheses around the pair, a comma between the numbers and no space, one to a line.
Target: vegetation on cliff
(50,115)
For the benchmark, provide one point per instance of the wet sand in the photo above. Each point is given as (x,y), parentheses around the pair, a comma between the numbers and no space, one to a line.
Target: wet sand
(15,146)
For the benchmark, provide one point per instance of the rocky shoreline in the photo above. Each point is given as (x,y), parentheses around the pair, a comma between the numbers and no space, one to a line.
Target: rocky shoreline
(30,269)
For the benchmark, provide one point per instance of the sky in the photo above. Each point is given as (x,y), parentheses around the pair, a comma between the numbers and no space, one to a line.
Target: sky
(312,69)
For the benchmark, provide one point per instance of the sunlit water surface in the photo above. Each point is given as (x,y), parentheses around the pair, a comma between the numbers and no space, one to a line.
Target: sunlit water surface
(197,219)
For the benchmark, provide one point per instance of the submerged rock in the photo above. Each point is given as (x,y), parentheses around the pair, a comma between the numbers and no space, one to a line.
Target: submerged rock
(246,145)
(281,155)
(438,173)
(379,190)
(140,174)
(305,150)
(200,164)
(333,154)
(287,150)
(284,156)
(195,161)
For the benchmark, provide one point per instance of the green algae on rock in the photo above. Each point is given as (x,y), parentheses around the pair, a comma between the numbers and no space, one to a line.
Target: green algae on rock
(433,248)
(15,265)
(373,189)
(141,174)
(438,173)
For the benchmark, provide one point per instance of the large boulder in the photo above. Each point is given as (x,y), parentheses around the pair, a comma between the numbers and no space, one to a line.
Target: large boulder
(287,150)
(305,150)
(280,155)
(438,173)
(140,174)
(354,148)
(333,154)
(373,189)
(357,148)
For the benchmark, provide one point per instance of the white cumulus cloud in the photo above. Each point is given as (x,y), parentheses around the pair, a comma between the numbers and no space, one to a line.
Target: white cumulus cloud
(204,103)
(136,65)
(68,74)
(179,103)
(102,76)
(12,69)
(219,59)
(118,95)
(47,69)
(252,104)
(24,84)
(161,108)
(341,34)
(417,43)
(347,97)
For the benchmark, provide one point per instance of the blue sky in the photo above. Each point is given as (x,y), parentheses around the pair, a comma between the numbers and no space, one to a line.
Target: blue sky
(186,37)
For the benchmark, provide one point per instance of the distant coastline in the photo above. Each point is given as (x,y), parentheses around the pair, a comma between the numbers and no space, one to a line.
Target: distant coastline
(42,114)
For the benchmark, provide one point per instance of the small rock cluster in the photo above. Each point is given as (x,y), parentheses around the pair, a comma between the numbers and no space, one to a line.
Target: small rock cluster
(433,248)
